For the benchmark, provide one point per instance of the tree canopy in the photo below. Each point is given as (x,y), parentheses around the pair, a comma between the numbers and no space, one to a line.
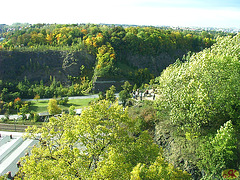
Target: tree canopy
(204,90)
(199,102)
(99,144)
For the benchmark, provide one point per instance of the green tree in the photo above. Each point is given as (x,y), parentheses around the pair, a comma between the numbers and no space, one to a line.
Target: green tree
(202,92)
(24,110)
(110,94)
(36,117)
(219,152)
(127,86)
(160,169)
(196,98)
(98,144)
(106,60)
(53,108)
(101,95)
(125,93)
(123,96)
(72,110)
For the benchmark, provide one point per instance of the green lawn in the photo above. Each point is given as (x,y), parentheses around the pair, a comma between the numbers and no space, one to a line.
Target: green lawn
(41,106)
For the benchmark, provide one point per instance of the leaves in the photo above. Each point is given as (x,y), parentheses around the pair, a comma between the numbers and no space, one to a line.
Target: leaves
(160,169)
(203,91)
(53,108)
(99,144)
(219,152)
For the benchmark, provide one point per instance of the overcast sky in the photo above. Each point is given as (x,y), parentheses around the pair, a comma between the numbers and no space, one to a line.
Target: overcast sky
(202,13)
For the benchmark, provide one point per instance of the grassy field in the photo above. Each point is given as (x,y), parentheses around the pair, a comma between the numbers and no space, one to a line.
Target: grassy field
(41,106)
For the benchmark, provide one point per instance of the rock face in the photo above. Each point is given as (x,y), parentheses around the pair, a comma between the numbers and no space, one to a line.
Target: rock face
(155,63)
(40,65)
(37,65)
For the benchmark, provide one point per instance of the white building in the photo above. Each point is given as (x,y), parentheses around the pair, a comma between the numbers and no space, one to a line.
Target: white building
(12,148)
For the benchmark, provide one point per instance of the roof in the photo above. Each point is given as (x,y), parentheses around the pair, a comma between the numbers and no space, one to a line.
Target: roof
(12,148)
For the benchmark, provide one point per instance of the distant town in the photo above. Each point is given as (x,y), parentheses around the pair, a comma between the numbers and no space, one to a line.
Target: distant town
(19,26)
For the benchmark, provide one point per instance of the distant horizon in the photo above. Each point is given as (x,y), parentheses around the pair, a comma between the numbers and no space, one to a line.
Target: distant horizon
(203,27)
(174,13)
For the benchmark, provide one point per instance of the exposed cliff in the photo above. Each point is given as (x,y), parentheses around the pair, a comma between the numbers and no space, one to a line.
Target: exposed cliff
(40,65)
(155,63)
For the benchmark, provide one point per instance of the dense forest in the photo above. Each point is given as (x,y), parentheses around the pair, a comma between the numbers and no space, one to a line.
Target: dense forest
(199,110)
(190,131)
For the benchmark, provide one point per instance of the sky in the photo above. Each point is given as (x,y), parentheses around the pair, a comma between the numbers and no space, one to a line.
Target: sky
(183,13)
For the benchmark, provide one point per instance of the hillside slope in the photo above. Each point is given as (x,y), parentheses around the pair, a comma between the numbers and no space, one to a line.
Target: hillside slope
(39,51)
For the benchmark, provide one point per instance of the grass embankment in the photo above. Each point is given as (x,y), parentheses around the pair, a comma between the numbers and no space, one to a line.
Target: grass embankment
(41,105)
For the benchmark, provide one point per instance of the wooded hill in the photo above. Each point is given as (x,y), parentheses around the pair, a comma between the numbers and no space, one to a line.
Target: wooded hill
(194,120)
(39,51)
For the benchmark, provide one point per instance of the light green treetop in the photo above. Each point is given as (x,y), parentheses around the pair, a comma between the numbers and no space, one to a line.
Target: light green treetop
(53,108)
(99,144)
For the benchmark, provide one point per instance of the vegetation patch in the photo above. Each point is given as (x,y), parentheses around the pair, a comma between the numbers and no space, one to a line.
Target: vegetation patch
(41,106)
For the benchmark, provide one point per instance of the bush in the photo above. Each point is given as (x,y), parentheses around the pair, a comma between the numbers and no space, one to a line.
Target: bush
(63,101)
(145,115)
(72,110)
(36,117)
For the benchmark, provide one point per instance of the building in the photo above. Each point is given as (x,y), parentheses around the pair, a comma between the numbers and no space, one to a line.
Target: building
(12,147)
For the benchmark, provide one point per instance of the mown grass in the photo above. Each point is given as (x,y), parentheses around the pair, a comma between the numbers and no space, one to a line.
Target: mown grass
(41,105)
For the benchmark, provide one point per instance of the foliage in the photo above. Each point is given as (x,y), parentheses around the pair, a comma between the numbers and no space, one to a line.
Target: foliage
(127,86)
(17,101)
(106,61)
(24,89)
(72,110)
(109,44)
(145,115)
(196,98)
(123,96)
(110,94)
(137,39)
(142,76)
(41,105)
(53,108)
(160,169)
(125,93)
(219,152)
(24,109)
(36,97)
(36,117)
(99,144)
(63,101)
(203,92)
(101,95)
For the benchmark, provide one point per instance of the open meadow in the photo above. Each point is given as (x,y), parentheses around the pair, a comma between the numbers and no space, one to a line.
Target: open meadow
(41,105)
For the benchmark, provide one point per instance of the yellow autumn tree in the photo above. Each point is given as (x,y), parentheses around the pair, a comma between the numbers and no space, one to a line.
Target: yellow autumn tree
(53,108)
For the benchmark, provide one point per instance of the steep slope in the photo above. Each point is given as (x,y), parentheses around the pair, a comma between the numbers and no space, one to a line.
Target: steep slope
(40,65)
